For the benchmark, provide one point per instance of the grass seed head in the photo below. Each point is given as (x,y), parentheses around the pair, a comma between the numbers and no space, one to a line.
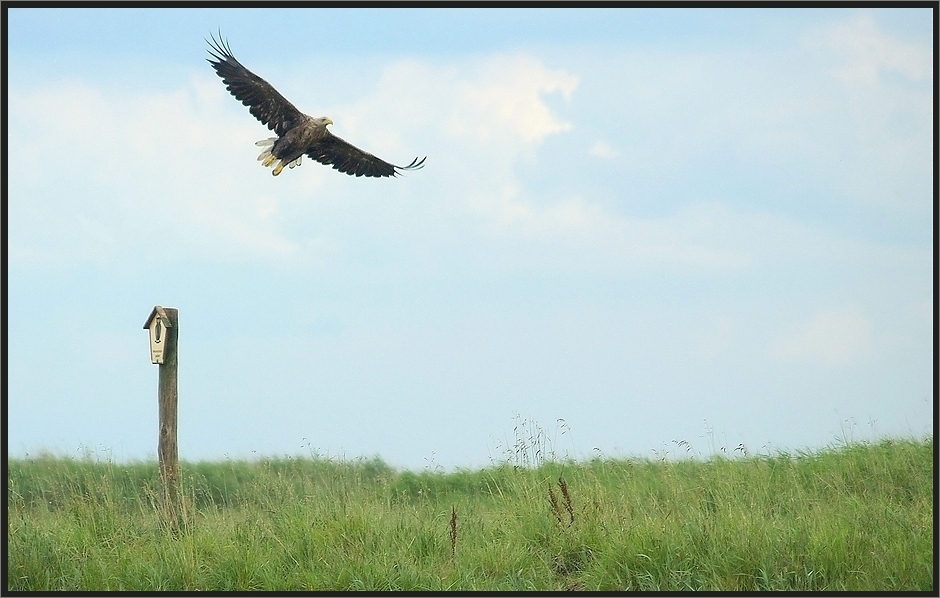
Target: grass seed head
(556,509)
(567,496)
(453,531)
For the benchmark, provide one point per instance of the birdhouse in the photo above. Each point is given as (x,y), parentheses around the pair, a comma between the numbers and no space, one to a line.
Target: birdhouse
(157,324)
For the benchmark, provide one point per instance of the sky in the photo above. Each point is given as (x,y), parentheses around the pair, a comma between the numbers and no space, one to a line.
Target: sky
(660,233)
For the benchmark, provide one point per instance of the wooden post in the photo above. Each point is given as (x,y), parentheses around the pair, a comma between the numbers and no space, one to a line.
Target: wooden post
(164,334)
(168,450)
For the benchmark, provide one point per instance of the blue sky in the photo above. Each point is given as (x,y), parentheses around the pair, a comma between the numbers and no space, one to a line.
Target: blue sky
(634,228)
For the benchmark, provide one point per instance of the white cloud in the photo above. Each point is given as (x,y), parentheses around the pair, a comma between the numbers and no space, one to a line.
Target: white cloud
(492,107)
(704,238)
(508,213)
(181,161)
(775,116)
(147,171)
(834,337)
(505,95)
(872,135)
(867,52)
(574,230)
(602,149)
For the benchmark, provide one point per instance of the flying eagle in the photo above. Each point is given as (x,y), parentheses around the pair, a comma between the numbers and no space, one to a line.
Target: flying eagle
(297,133)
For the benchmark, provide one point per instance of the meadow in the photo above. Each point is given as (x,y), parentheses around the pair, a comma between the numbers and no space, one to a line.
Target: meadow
(852,517)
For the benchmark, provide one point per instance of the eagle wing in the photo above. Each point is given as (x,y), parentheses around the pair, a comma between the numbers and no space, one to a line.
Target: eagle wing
(263,101)
(349,159)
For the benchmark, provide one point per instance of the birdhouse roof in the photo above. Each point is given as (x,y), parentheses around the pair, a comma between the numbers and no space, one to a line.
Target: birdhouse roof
(158,313)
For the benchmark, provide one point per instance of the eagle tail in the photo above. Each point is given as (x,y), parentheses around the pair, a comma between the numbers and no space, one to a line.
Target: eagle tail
(267,143)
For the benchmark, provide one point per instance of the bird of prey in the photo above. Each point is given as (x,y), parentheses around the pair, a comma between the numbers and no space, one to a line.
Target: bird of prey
(297,133)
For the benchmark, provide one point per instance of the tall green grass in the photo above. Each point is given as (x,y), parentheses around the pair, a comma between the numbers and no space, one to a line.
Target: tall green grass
(858,517)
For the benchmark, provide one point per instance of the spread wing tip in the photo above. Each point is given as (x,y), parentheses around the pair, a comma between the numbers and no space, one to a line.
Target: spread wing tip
(220,49)
(415,165)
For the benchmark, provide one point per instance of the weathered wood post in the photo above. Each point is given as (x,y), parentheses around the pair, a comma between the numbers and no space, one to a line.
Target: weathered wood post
(163,324)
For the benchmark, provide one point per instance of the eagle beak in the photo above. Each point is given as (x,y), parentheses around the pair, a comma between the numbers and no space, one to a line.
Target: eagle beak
(329,121)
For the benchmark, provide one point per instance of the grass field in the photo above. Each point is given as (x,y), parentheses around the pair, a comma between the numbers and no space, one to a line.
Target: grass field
(855,517)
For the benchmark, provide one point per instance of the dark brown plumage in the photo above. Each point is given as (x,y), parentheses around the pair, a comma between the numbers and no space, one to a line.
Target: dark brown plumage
(297,133)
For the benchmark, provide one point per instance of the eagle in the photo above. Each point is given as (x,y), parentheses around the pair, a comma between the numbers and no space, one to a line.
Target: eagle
(297,133)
